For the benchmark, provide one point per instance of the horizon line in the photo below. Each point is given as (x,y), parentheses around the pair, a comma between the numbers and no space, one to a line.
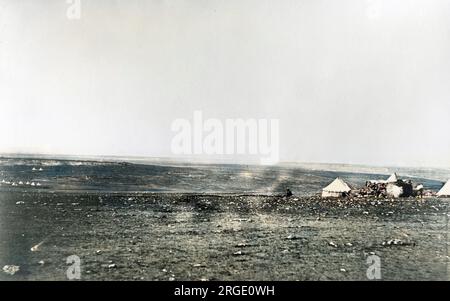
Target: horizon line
(187,159)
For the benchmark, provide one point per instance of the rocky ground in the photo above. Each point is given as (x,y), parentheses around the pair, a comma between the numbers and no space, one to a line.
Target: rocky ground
(220,237)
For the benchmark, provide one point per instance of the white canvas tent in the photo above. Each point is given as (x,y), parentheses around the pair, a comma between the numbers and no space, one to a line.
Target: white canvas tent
(337,188)
(445,191)
(392,179)
(394,191)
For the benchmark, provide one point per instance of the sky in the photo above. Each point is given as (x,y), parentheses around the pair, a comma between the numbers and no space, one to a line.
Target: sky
(350,81)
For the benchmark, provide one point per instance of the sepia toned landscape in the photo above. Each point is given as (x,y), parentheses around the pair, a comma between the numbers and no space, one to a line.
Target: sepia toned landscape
(150,235)
(224,141)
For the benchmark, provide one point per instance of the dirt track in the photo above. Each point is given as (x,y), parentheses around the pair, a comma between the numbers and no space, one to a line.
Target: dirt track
(193,237)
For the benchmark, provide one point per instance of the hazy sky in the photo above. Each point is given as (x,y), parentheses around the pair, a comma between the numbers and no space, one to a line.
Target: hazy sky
(351,81)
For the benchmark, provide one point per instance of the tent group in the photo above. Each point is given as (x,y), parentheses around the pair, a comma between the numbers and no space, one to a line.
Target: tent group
(339,188)
(445,191)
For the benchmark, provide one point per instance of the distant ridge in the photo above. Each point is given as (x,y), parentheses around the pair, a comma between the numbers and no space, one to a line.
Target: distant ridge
(432,173)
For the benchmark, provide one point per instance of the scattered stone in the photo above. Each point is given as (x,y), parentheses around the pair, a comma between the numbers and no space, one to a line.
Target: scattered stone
(112,266)
(394,242)
(349,244)
(241,245)
(41,262)
(11,269)
(36,247)
(343,270)
(292,237)
(332,244)
(20,202)
(98,252)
